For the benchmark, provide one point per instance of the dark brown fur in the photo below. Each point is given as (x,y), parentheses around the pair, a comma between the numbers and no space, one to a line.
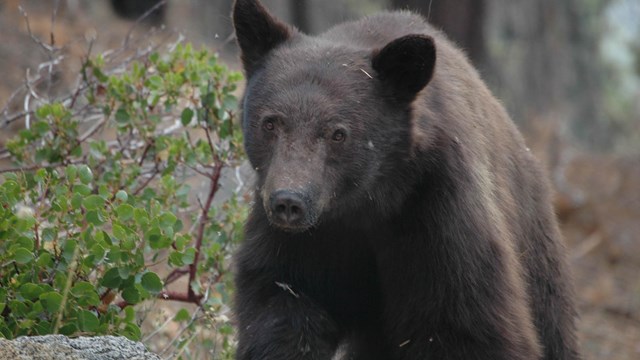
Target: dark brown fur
(426,232)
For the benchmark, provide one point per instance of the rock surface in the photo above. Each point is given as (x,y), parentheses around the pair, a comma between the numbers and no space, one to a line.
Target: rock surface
(59,347)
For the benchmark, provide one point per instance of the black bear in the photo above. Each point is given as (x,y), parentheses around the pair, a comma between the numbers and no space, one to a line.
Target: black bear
(398,213)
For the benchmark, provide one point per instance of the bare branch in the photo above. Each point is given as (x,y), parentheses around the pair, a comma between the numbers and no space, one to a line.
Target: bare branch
(46,47)
(43,166)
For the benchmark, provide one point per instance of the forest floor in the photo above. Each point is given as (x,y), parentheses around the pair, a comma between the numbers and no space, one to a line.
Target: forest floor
(603,236)
(598,195)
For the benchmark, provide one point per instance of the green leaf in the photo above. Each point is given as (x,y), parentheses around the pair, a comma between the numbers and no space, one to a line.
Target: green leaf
(128,244)
(95,217)
(22,256)
(51,301)
(69,249)
(82,288)
(156,239)
(131,295)
(81,189)
(89,299)
(175,259)
(132,332)
(60,280)
(76,201)
(71,172)
(111,279)
(25,242)
(93,202)
(151,282)
(122,116)
(230,102)
(85,174)
(43,111)
(181,242)
(68,329)
(154,82)
(87,321)
(124,212)
(182,315)
(189,256)
(100,75)
(167,219)
(122,195)
(186,116)
(45,260)
(30,291)
(129,314)
(124,272)
(118,232)
(141,217)
(41,127)
(19,308)
(98,251)
(12,188)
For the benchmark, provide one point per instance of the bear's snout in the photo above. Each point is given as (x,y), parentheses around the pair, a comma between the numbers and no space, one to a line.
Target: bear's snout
(289,210)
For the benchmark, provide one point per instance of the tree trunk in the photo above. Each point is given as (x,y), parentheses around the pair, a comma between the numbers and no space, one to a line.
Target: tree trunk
(462,20)
(300,15)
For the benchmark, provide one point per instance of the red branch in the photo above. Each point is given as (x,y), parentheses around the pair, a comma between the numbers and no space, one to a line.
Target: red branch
(204,219)
(36,245)
(171,296)
(190,296)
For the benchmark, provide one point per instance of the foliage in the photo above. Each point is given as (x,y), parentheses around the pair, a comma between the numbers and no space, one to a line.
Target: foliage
(98,216)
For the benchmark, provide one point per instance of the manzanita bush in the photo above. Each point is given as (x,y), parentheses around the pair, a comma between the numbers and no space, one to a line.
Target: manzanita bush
(115,194)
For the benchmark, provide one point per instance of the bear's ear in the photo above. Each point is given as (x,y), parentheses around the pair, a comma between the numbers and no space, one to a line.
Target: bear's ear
(257,32)
(405,65)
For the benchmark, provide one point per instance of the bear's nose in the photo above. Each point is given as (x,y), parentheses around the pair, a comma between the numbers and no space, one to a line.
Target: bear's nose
(287,207)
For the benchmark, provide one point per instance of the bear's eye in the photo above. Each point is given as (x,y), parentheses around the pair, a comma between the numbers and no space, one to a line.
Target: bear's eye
(269,124)
(338,135)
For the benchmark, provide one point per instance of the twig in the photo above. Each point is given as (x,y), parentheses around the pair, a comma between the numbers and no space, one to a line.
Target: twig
(27,120)
(198,171)
(155,172)
(157,330)
(92,130)
(586,246)
(194,317)
(144,152)
(175,275)
(54,14)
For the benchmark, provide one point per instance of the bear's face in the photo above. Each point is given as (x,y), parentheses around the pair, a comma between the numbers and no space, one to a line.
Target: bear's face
(313,134)
(321,121)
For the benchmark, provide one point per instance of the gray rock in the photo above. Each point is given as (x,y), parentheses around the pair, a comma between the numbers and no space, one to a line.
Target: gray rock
(59,347)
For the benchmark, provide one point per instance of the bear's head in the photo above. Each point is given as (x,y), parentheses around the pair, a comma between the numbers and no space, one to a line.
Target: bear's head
(327,123)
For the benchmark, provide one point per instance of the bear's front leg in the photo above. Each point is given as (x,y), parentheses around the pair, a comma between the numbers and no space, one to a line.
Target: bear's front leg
(285,326)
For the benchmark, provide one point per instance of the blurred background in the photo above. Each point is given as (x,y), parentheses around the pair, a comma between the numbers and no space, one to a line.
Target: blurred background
(568,72)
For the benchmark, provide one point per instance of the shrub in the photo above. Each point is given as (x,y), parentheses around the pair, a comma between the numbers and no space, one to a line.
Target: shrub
(98,214)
